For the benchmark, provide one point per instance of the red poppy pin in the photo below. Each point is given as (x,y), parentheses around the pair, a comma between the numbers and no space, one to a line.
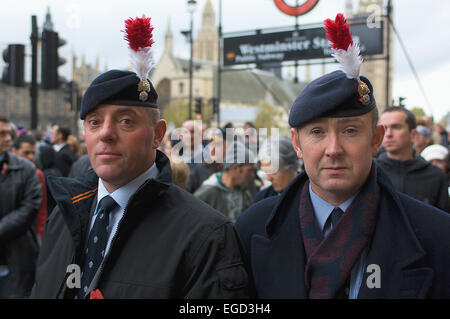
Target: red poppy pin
(96,294)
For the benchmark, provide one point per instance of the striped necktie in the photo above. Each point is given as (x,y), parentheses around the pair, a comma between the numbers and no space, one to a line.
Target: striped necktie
(95,249)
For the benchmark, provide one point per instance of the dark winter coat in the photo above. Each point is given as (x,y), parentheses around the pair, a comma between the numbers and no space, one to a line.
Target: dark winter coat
(80,166)
(168,244)
(411,245)
(64,160)
(20,199)
(418,179)
(265,193)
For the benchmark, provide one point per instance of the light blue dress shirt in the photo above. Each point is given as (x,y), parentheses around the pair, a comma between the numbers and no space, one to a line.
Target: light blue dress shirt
(121,196)
(322,210)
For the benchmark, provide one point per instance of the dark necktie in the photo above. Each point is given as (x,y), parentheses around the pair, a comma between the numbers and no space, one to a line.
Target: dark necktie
(95,249)
(336,214)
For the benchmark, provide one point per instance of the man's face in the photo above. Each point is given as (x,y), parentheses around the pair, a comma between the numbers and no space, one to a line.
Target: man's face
(421,141)
(5,137)
(279,179)
(244,174)
(398,137)
(121,142)
(54,134)
(188,139)
(337,154)
(26,150)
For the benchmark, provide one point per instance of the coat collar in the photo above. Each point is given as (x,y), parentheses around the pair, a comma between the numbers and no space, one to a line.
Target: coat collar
(395,247)
(74,197)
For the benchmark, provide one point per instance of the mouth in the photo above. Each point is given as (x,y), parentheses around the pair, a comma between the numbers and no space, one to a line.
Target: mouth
(335,169)
(108,155)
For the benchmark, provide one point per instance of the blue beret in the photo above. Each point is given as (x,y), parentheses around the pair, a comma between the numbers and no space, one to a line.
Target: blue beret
(331,95)
(118,88)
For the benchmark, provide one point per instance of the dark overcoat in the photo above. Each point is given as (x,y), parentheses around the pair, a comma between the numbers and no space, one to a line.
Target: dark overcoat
(168,244)
(411,246)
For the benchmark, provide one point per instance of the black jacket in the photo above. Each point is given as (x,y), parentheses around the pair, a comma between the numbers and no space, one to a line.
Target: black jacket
(168,245)
(417,178)
(64,160)
(265,193)
(20,199)
(411,245)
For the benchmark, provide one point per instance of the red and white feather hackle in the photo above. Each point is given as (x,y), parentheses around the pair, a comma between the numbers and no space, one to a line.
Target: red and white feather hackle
(138,34)
(346,52)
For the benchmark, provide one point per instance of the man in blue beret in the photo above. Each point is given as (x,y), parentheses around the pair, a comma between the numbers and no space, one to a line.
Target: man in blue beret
(340,229)
(124,230)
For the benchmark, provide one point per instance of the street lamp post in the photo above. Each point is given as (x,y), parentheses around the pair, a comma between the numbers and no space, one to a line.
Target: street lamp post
(192,4)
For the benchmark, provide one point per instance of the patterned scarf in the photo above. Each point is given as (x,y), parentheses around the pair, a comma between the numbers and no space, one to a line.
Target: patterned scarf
(330,260)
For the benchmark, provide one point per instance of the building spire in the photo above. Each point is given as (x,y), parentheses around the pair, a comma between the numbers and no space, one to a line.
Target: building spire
(48,24)
(168,47)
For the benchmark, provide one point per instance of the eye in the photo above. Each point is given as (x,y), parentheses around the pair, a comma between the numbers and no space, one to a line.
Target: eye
(126,121)
(316,131)
(350,130)
(93,122)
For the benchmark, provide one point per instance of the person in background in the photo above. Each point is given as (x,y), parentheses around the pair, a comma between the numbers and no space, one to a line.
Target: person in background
(422,139)
(25,146)
(20,198)
(439,156)
(436,155)
(191,142)
(227,190)
(217,148)
(47,159)
(74,146)
(409,172)
(441,133)
(180,173)
(64,157)
(287,167)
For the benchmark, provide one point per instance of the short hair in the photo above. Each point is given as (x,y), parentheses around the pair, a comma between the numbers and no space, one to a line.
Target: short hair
(4,119)
(23,139)
(410,117)
(287,157)
(180,173)
(154,115)
(64,130)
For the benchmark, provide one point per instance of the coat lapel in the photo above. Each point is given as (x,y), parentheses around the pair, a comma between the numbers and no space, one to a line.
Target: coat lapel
(278,260)
(399,255)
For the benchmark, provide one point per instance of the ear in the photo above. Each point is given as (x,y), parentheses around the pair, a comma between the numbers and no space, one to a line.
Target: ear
(160,131)
(296,143)
(377,139)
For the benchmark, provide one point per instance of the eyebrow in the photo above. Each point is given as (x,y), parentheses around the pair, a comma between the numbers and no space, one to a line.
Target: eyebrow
(351,120)
(125,110)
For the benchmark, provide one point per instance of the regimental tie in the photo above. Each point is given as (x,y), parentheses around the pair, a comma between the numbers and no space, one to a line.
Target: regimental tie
(336,214)
(95,249)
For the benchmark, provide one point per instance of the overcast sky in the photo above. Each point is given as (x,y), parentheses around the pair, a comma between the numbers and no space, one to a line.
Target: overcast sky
(92,28)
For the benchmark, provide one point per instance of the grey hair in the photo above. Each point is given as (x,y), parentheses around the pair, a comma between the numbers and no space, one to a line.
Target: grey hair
(287,157)
(154,115)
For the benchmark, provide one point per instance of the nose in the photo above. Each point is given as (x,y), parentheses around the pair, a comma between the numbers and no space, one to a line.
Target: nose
(334,147)
(107,132)
(387,131)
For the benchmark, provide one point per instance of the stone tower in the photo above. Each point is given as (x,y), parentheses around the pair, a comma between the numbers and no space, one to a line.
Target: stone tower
(206,46)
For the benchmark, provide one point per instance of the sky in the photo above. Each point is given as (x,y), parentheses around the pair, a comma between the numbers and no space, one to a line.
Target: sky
(93,29)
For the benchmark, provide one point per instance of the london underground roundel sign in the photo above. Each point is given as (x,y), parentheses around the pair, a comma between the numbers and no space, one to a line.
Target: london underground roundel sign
(299,10)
